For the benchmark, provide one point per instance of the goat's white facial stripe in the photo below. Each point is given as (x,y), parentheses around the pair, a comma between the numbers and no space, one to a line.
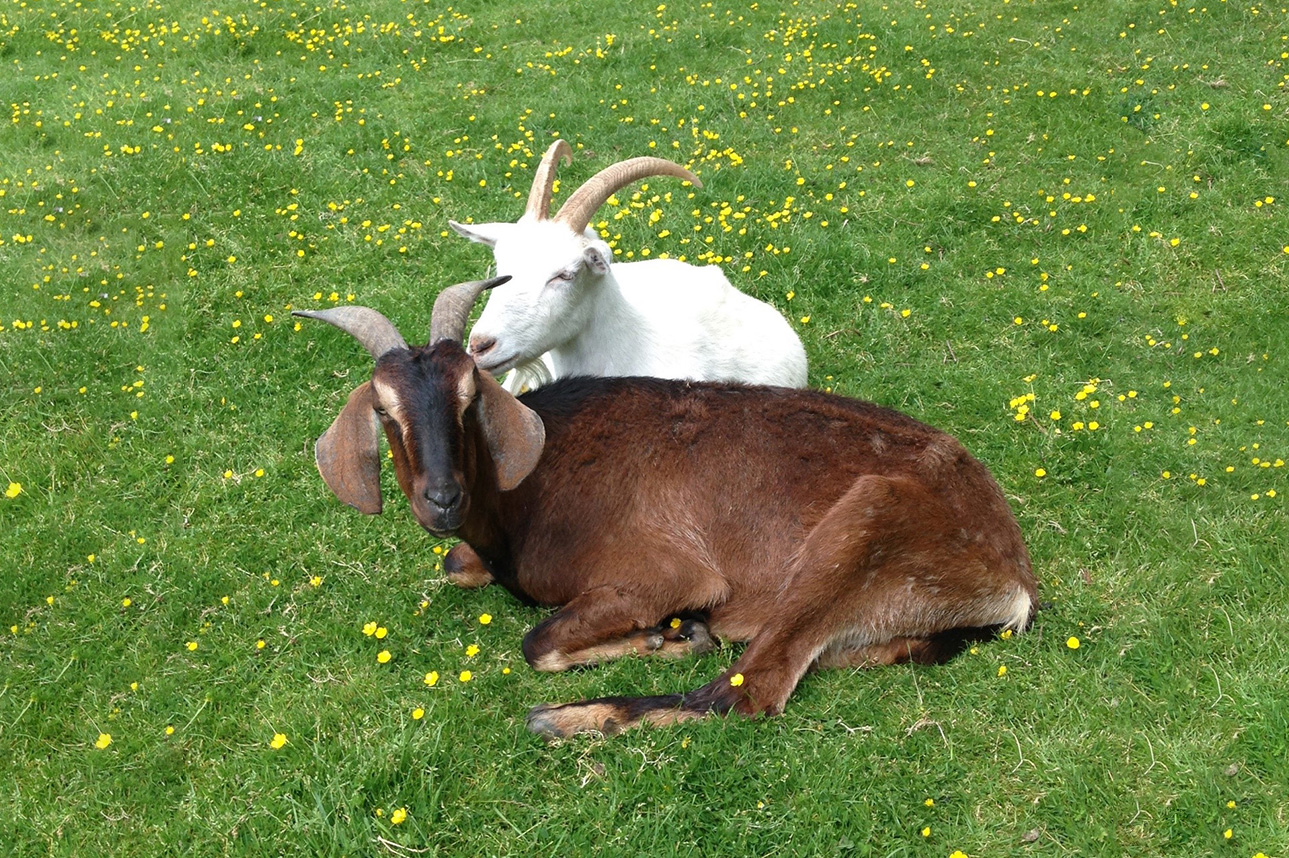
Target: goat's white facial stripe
(388,399)
(466,389)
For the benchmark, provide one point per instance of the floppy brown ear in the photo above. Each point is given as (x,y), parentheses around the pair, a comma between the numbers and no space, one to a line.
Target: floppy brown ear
(348,454)
(514,432)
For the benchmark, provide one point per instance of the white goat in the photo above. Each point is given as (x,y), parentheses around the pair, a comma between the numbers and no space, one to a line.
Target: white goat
(568,311)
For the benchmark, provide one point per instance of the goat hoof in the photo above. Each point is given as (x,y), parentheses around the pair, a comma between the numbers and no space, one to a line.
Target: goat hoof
(470,580)
(465,568)
(699,636)
(653,642)
(542,721)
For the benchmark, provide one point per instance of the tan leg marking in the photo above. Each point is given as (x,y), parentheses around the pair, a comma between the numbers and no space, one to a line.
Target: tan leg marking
(604,717)
(666,643)
(465,568)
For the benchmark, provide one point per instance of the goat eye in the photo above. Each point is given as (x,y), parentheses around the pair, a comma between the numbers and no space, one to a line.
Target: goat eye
(381,411)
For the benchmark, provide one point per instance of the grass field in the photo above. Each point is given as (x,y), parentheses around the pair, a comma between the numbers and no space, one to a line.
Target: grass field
(1054,229)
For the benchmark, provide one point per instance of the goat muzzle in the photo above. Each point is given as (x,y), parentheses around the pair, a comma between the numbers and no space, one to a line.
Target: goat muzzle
(480,346)
(439,503)
(443,499)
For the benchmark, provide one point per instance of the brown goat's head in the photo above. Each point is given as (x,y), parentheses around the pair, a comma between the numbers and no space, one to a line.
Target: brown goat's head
(452,430)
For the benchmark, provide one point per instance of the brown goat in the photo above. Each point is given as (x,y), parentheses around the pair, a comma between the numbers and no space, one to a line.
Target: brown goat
(824,531)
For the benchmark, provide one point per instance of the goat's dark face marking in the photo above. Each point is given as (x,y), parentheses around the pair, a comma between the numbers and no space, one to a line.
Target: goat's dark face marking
(421,397)
(445,422)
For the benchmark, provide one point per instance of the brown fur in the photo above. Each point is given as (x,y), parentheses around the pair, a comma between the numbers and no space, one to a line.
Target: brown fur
(465,568)
(822,530)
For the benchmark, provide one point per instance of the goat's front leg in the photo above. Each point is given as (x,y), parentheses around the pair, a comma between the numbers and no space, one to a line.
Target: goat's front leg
(466,568)
(605,623)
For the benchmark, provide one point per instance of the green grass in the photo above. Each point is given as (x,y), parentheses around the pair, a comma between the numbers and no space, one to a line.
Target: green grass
(949,238)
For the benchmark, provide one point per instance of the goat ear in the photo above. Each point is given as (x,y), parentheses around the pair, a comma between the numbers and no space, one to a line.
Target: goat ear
(483,233)
(597,256)
(514,432)
(348,454)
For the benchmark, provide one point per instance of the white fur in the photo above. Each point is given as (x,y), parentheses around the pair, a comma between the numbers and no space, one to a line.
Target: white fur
(1016,610)
(659,317)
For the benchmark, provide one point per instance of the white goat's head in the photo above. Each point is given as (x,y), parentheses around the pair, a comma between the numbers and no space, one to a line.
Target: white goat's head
(552,262)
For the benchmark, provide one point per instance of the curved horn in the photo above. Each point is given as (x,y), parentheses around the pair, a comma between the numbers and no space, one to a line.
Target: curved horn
(376,333)
(452,308)
(583,203)
(539,198)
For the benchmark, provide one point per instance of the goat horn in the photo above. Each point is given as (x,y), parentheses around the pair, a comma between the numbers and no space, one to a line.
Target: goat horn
(539,198)
(452,308)
(583,203)
(376,333)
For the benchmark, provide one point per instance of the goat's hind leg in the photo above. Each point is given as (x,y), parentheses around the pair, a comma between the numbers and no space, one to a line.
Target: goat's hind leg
(890,575)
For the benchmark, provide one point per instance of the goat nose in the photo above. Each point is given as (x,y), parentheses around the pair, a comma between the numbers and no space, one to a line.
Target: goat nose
(444,497)
(482,345)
